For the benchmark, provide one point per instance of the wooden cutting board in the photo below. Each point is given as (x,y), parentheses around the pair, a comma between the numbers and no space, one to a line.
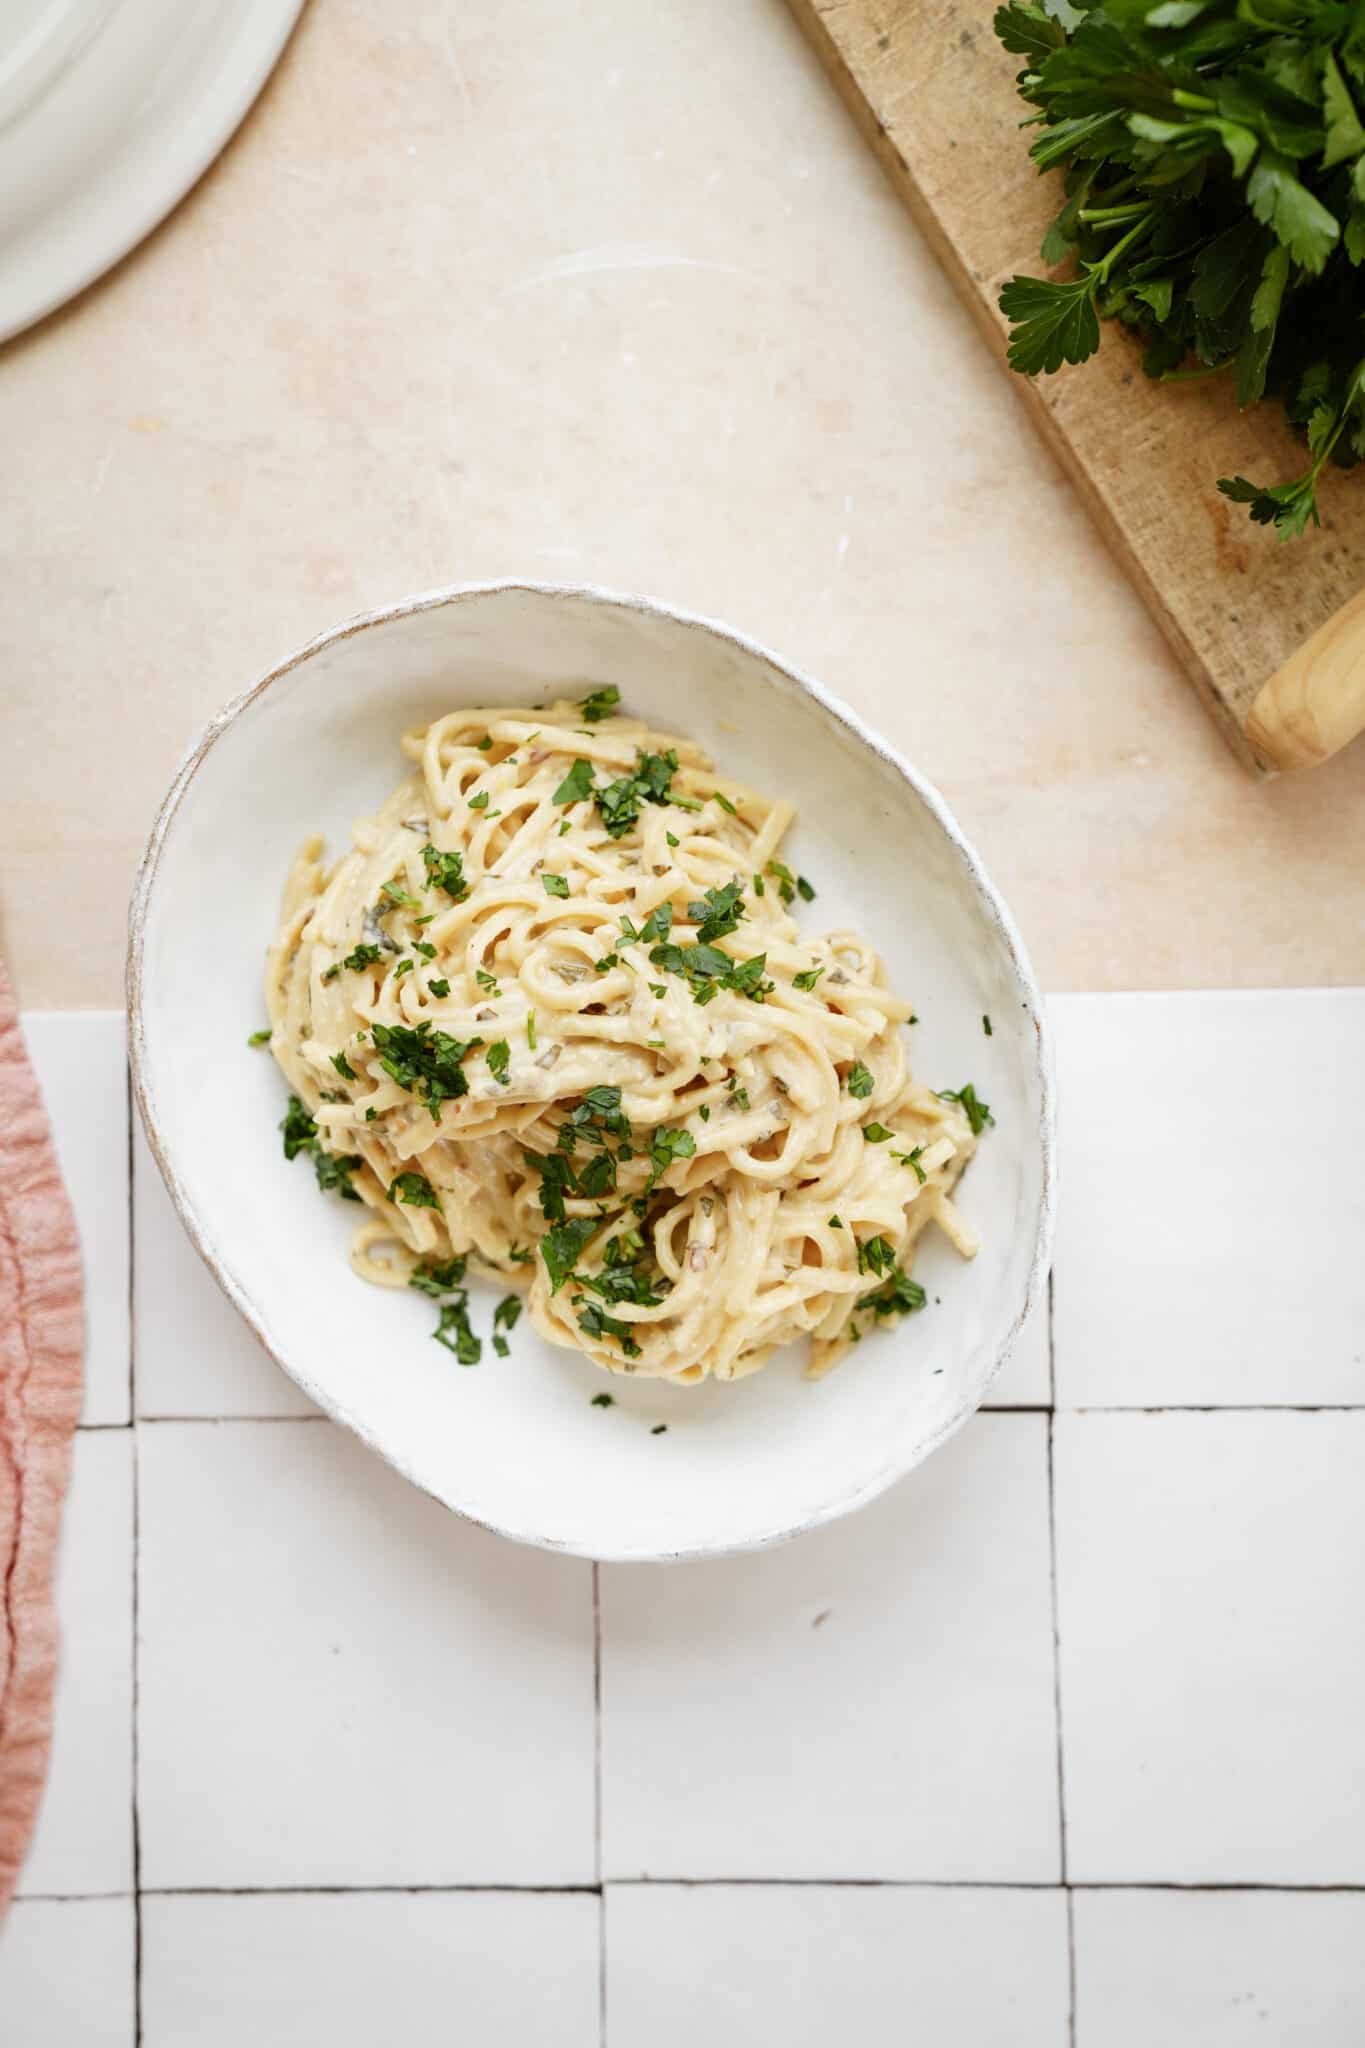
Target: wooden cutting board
(934,92)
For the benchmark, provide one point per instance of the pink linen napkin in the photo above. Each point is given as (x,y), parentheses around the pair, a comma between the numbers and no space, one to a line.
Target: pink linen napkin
(42,1341)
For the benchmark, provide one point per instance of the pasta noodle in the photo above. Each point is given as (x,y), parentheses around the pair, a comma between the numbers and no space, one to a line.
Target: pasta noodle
(553,1011)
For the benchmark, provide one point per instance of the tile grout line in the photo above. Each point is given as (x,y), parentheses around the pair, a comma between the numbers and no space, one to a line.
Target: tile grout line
(592,1891)
(1057,1659)
(132,1417)
(597,1802)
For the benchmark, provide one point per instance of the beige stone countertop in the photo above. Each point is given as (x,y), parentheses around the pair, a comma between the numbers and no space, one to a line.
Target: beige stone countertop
(605,291)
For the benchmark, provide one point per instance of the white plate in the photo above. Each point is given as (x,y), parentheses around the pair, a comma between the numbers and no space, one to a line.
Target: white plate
(109,111)
(516,1444)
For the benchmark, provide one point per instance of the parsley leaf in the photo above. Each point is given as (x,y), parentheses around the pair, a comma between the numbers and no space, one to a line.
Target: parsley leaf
(344,1067)
(437,1280)
(858,1081)
(899,1296)
(445,871)
(555,885)
(454,1332)
(600,704)
(261,1037)
(593,1322)
(807,980)
(603,1401)
(978,1113)
(877,1134)
(440,989)
(577,784)
(414,1189)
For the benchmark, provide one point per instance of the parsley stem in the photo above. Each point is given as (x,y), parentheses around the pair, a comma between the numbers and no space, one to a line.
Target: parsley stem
(1194,102)
(1139,228)
(1100,214)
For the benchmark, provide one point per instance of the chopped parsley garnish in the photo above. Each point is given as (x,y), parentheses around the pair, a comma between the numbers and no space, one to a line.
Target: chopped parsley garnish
(454,1332)
(986,1027)
(439,988)
(499,1056)
(836,1222)
(672,839)
(577,784)
(709,971)
(658,924)
(479,802)
(396,897)
(807,980)
(531,1029)
(594,1323)
(600,704)
(899,1296)
(487,982)
(606,963)
(659,1429)
(404,967)
(618,802)
(333,1169)
(561,1245)
(858,1081)
(656,988)
(486,743)
(424,1061)
(261,1037)
(804,890)
(344,1067)
(912,1158)
(705,1112)
(564,826)
(604,1400)
(664,1147)
(785,879)
(738,1096)
(555,885)
(718,913)
(414,1189)
(978,1113)
(300,1132)
(723,800)
(425,948)
(505,1318)
(445,871)
(359,957)
(520,1256)
(878,1255)
(877,1134)
(760,886)
(438,1280)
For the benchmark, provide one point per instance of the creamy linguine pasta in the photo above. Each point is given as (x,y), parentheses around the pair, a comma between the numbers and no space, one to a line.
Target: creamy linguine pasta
(553,1012)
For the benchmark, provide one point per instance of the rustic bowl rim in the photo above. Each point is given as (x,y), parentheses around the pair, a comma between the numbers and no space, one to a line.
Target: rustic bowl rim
(997,914)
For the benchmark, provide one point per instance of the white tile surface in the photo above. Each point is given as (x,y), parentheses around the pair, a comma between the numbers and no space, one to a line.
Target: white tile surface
(872,1700)
(1026,1377)
(84,1837)
(1211,1151)
(472,1969)
(66,1974)
(1220,1969)
(79,1059)
(811,1965)
(195,1355)
(1212,1658)
(343,1684)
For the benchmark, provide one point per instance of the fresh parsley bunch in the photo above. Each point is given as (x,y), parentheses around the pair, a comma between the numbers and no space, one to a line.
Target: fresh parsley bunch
(1215,198)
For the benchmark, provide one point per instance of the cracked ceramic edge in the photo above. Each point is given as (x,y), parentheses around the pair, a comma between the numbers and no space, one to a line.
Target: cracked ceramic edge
(834,709)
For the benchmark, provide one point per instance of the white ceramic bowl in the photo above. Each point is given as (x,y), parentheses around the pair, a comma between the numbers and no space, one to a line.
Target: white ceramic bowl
(517,1444)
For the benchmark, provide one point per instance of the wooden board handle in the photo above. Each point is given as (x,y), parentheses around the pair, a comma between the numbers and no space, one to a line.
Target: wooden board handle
(1313,705)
